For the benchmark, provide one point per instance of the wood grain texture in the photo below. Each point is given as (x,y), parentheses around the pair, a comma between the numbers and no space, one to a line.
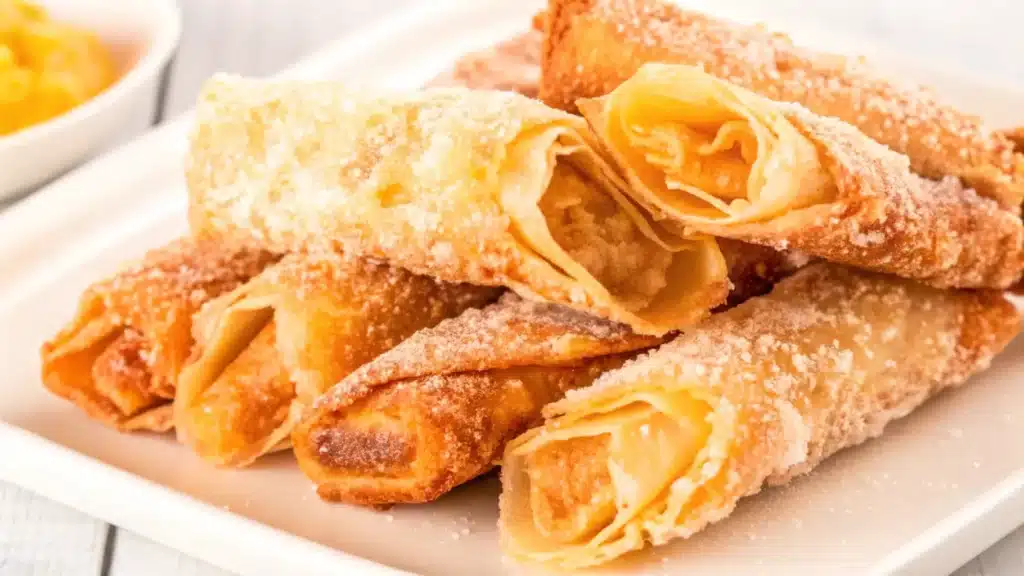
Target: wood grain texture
(43,538)
(1006,558)
(258,37)
(972,568)
(135,556)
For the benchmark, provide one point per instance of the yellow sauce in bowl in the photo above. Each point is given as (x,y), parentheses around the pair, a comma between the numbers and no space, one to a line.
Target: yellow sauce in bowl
(46,67)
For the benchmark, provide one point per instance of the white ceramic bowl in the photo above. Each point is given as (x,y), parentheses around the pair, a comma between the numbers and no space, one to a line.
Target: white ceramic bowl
(143,35)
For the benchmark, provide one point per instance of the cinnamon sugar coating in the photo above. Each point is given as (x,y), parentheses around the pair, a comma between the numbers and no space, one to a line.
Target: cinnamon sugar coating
(764,392)
(267,349)
(833,192)
(886,218)
(592,46)
(119,358)
(515,64)
(437,410)
(447,183)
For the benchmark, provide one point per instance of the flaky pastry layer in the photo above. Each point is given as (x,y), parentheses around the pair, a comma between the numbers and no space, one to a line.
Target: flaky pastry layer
(468,186)
(760,393)
(437,410)
(717,159)
(265,351)
(515,64)
(119,358)
(591,46)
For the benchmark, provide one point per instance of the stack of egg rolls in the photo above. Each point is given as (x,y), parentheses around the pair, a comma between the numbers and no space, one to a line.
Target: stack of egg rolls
(686,190)
(266,350)
(485,187)
(714,158)
(592,46)
(438,409)
(755,395)
(120,356)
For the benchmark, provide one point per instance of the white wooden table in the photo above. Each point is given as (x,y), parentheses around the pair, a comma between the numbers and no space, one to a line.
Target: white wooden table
(42,538)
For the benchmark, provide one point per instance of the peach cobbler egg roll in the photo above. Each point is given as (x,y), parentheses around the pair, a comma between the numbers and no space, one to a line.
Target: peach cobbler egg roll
(706,156)
(483,187)
(671,442)
(710,152)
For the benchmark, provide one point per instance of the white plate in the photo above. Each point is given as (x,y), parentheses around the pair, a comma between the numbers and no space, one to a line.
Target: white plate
(938,488)
(142,36)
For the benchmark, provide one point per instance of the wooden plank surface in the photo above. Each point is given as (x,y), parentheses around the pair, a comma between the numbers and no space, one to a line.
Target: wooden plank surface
(1006,558)
(134,555)
(257,37)
(42,538)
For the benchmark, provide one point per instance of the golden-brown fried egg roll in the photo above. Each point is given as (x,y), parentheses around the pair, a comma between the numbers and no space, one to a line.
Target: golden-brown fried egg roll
(592,46)
(267,349)
(119,358)
(753,269)
(484,187)
(715,158)
(755,395)
(437,410)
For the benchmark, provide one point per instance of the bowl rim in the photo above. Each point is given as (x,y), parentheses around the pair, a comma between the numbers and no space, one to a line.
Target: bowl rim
(157,55)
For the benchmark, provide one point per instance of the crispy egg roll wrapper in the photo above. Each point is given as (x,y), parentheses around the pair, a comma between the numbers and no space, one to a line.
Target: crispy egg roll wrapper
(592,46)
(266,350)
(512,65)
(437,410)
(755,395)
(119,357)
(715,158)
(490,188)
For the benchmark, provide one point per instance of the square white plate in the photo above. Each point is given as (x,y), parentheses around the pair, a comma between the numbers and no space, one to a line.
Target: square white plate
(938,488)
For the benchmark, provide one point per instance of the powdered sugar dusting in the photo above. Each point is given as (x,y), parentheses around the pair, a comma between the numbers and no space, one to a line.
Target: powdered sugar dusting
(787,382)
(418,179)
(457,392)
(148,307)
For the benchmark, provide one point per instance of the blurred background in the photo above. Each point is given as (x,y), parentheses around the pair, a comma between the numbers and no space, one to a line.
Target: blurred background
(263,36)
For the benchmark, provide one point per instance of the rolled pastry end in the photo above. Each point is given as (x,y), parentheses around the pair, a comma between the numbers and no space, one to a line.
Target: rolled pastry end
(119,358)
(574,489)
(234,418)
(369,458)
(650,278)
(267,350)
(755,396)
(415,440)
(438,409)
(236,393)
(103,368)
(703,151)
